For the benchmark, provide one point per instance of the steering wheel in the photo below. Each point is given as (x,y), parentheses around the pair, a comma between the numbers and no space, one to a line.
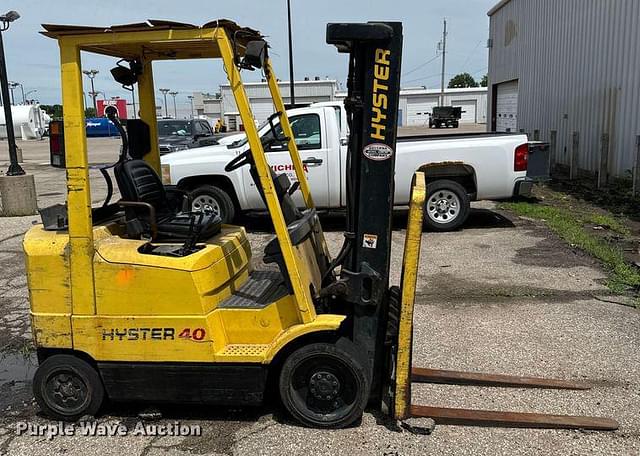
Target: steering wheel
(244,158)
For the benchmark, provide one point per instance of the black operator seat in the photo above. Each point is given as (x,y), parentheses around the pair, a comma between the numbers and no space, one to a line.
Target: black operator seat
(139,183)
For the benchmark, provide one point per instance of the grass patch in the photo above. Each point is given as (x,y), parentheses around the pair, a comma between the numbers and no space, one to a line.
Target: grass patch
(609,222)
(569,225)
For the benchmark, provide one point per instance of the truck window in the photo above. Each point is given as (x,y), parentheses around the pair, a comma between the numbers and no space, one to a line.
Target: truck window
(306,131)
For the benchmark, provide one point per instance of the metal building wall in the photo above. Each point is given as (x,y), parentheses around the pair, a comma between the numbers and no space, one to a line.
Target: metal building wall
(578,66)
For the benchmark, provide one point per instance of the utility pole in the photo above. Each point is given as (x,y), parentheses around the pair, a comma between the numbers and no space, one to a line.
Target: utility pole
(91,74)
(291,84)
(444,51)
(175,109)
(164,93)
(190,97)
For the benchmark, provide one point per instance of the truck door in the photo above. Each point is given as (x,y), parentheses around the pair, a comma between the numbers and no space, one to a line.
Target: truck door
(313,148)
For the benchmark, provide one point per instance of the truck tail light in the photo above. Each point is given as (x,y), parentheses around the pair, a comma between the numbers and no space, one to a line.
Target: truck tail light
(521,157)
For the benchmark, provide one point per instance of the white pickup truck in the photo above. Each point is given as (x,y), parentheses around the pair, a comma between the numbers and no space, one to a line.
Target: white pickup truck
(459,168)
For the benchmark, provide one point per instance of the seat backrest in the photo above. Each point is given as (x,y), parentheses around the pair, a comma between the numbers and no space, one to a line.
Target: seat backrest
(139,182)
(282,184)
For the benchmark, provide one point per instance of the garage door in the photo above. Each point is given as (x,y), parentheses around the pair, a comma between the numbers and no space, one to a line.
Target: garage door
(507,106)
(262,109)
(419,108)
(468,110)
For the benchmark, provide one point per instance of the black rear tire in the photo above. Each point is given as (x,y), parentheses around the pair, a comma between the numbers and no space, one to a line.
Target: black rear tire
(447,206)
(325,385)
(216,199)
(67,388)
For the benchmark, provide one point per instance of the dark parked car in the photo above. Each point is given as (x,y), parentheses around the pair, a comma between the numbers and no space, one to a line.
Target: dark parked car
(175,134)
(447,116)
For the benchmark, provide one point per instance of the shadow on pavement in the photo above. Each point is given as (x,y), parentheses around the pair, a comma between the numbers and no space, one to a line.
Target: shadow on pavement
(335,221)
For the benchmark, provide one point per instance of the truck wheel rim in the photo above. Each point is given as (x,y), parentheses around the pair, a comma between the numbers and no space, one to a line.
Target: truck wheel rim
(206,203)
(443,206)
(324,388)
(66,392)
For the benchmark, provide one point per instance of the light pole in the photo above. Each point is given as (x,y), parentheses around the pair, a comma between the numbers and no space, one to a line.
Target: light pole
(29,92)
(175,109)
(91,74)
(164,93)
(190,97)
(291,89)
(13,85)
(14,167)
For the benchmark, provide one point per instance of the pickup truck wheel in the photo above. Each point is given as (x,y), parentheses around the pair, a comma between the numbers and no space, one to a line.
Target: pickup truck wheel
(447,206)
(213,199)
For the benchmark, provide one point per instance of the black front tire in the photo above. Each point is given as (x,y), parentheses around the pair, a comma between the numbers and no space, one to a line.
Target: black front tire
(67,388)
(214,195)
(447,221)
(325,385)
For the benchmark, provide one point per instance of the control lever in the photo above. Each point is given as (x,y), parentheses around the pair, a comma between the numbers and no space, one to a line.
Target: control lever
(190,244)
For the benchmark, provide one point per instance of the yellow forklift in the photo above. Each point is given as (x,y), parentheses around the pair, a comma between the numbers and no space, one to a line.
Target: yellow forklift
(142,299)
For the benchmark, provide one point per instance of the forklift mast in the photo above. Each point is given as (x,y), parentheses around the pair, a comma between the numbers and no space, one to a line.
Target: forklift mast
(375,51)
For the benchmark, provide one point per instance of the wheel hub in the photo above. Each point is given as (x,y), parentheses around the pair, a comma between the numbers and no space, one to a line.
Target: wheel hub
(324,386)
(443,206)
(206,203)
(66,391)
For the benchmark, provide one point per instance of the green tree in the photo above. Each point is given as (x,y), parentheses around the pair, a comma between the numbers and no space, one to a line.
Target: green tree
(90,112)
(484,82)
(462,80)
(55,111)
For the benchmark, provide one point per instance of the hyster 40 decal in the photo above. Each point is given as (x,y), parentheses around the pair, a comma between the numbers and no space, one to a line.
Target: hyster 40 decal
(114,334)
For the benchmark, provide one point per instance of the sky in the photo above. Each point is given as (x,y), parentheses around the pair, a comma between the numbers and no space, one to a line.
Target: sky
(33,59)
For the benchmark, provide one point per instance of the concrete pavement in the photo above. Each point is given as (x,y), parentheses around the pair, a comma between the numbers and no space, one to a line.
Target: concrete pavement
(502,295)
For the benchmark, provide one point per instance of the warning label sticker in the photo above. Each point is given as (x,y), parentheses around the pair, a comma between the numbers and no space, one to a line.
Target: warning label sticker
(370,241)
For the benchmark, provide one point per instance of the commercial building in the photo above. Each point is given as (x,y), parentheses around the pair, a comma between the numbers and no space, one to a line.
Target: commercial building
(414,106)
(224,106)
(416,103)
(569,72)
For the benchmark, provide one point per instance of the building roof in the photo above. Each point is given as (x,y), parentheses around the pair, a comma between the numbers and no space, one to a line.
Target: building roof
(297,83)
(497,7)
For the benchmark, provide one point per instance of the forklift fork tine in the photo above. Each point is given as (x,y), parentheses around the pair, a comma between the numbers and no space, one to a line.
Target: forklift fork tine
(489,418)
(449,377)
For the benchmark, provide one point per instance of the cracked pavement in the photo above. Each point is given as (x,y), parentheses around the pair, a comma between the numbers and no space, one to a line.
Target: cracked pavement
(503,295)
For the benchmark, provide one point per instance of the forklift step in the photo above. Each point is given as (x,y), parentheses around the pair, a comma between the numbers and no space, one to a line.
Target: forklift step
(261,289)
(467,417)
(449,377)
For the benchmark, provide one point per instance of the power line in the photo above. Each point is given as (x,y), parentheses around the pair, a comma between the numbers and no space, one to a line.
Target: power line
(421,66)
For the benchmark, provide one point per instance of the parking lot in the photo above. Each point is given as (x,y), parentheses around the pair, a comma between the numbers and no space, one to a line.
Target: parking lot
(502,295)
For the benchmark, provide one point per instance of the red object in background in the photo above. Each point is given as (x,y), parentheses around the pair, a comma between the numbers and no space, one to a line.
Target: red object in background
(120,104)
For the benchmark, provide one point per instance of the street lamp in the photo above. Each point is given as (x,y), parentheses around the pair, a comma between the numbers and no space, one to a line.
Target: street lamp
(175,109)
(293,96)
(13,85)
(164,93)
(14,167)
(91,74)
(190,97)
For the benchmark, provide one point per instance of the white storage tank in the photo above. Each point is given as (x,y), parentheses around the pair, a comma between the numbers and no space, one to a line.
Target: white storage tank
(28,122)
